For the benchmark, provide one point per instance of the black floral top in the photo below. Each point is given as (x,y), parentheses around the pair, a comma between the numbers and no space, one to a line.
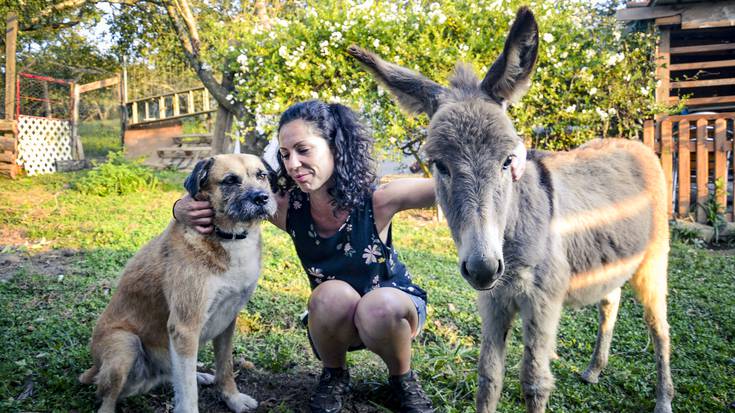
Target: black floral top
(355,254)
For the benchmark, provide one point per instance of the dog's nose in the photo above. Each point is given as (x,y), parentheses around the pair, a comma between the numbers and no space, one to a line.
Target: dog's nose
(260,199)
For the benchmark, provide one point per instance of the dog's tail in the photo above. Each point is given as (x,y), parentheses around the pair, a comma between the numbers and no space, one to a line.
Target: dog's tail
(88,376)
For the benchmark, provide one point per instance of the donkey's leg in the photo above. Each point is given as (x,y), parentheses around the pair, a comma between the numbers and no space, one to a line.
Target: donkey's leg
(540,320)
(224,376)
(497,318)
(608,308)
(649,283)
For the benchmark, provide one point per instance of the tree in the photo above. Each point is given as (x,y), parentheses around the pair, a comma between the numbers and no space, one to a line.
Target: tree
(44,17)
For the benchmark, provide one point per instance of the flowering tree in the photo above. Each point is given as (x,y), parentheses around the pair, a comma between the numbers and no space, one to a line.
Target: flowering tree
(593,78)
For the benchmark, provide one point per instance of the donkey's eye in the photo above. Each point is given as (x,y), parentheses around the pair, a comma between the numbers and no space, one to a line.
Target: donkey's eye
(507,162)
(441,168)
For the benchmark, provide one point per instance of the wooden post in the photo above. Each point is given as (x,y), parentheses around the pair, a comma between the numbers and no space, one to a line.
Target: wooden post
(123,108)
(663,61)
(702,169)
(76,143)
(685,169)
(648,130)
(9,127)
(11,37)
(190,103)
(666,163)
(162,107)
(721,161)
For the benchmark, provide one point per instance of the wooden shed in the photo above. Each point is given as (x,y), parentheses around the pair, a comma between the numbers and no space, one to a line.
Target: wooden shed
(696,62)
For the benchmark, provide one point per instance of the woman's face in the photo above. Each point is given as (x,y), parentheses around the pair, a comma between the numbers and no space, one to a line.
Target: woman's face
(306,155)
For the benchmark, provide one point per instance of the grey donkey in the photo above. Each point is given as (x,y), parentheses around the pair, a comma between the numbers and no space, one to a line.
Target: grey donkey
(537,230)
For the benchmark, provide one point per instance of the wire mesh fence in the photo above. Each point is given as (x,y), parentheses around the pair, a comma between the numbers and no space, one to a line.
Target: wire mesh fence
(43,96)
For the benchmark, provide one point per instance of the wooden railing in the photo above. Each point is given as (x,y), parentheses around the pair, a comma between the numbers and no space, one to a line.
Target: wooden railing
(189,102)
(697,157)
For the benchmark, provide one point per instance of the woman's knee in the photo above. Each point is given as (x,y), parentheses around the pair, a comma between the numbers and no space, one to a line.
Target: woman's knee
(333,298)
(385,309)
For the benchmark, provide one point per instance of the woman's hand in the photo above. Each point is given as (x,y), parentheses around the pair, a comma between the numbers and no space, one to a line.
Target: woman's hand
(194,214)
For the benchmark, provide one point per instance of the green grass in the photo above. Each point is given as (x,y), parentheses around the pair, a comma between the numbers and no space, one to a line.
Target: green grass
(46,320)
(100,137)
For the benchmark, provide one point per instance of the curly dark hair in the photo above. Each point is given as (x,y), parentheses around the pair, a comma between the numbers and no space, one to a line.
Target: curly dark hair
(351,144)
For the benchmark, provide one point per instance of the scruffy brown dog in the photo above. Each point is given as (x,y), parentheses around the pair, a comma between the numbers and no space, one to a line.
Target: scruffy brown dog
(183,289)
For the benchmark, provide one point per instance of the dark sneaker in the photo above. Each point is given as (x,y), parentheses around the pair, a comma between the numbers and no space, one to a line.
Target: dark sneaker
(334,385)
(410,394)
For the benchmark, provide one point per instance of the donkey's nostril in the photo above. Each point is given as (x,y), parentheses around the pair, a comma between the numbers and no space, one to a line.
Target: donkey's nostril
(501,267)
(463,269)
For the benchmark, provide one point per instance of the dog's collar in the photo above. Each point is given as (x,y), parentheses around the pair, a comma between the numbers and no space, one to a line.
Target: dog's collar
(229,235)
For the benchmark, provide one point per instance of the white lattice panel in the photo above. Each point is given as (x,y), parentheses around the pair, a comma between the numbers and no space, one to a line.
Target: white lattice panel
(42,142)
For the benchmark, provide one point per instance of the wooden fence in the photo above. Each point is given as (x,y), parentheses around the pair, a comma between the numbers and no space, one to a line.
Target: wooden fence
(183,103)
(697,157)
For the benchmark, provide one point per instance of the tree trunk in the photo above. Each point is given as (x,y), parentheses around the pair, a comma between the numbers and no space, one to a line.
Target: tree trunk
(221,143)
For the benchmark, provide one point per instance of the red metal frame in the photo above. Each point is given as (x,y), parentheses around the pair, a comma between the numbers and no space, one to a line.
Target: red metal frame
(45,79)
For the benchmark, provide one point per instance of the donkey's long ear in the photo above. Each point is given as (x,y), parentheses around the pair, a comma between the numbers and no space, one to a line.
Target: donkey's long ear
(415,92)
(510,76)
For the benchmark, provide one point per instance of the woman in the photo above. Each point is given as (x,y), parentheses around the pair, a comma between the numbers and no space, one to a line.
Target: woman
(362,295)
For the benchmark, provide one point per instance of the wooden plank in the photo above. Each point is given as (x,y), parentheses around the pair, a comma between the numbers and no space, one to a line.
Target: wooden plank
(135,112)
(9,143)
(180,92)
(667,162)
(648,130)
(702,48)
(76,143)
(9,170)
(663,60)
(694,117)
(647,13)
(177,105)
(205,100)
(110,81)
(704,83)
(702,169)
(704,101)
(162,107)
(669,20)
(183,115)
(11,37)
(721,159)
(709,14)
(7,157)
(685,172)
(190,103)
(8,125)
(703,65)
(146,113)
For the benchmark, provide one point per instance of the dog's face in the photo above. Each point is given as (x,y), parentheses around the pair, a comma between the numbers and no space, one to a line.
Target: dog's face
(236,185)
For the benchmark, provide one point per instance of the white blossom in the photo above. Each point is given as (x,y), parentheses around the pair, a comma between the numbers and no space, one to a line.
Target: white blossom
(548,37)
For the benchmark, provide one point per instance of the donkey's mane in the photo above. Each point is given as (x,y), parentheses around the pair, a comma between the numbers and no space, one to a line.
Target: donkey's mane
(464,84)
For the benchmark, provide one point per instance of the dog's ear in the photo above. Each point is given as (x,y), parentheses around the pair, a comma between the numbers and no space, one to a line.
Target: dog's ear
(198,177)
(272,175)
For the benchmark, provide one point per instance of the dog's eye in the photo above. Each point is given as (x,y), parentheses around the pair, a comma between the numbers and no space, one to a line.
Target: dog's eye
(231,180)
(262,175)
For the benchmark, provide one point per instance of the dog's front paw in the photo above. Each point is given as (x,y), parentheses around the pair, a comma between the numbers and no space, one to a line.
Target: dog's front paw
(205,379)
(240,402)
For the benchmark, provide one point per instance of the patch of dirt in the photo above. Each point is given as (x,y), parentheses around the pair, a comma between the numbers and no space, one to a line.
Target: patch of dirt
(52,263)
(278,392)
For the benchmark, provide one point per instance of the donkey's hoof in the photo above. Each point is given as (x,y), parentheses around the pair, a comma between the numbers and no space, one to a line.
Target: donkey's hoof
(590,376)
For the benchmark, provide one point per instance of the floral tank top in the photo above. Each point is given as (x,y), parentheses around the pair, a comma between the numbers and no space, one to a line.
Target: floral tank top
(355,254)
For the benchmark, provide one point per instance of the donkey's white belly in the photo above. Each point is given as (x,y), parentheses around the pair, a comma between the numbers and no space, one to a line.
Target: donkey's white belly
(229,292)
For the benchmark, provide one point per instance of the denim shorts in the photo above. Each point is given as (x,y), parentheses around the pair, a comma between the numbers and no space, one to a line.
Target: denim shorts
(420,310)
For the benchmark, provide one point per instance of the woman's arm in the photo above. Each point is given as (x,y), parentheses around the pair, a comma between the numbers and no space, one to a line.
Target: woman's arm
(279,218)
(399,195)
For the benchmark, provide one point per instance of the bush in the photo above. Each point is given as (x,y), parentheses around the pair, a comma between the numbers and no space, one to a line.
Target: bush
(117,176)
(593,78)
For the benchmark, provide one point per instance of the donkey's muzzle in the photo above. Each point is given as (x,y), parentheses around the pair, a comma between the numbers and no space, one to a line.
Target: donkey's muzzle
(482,271)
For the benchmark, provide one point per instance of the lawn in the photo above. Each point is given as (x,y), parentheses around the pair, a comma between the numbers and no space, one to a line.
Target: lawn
(62,251)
